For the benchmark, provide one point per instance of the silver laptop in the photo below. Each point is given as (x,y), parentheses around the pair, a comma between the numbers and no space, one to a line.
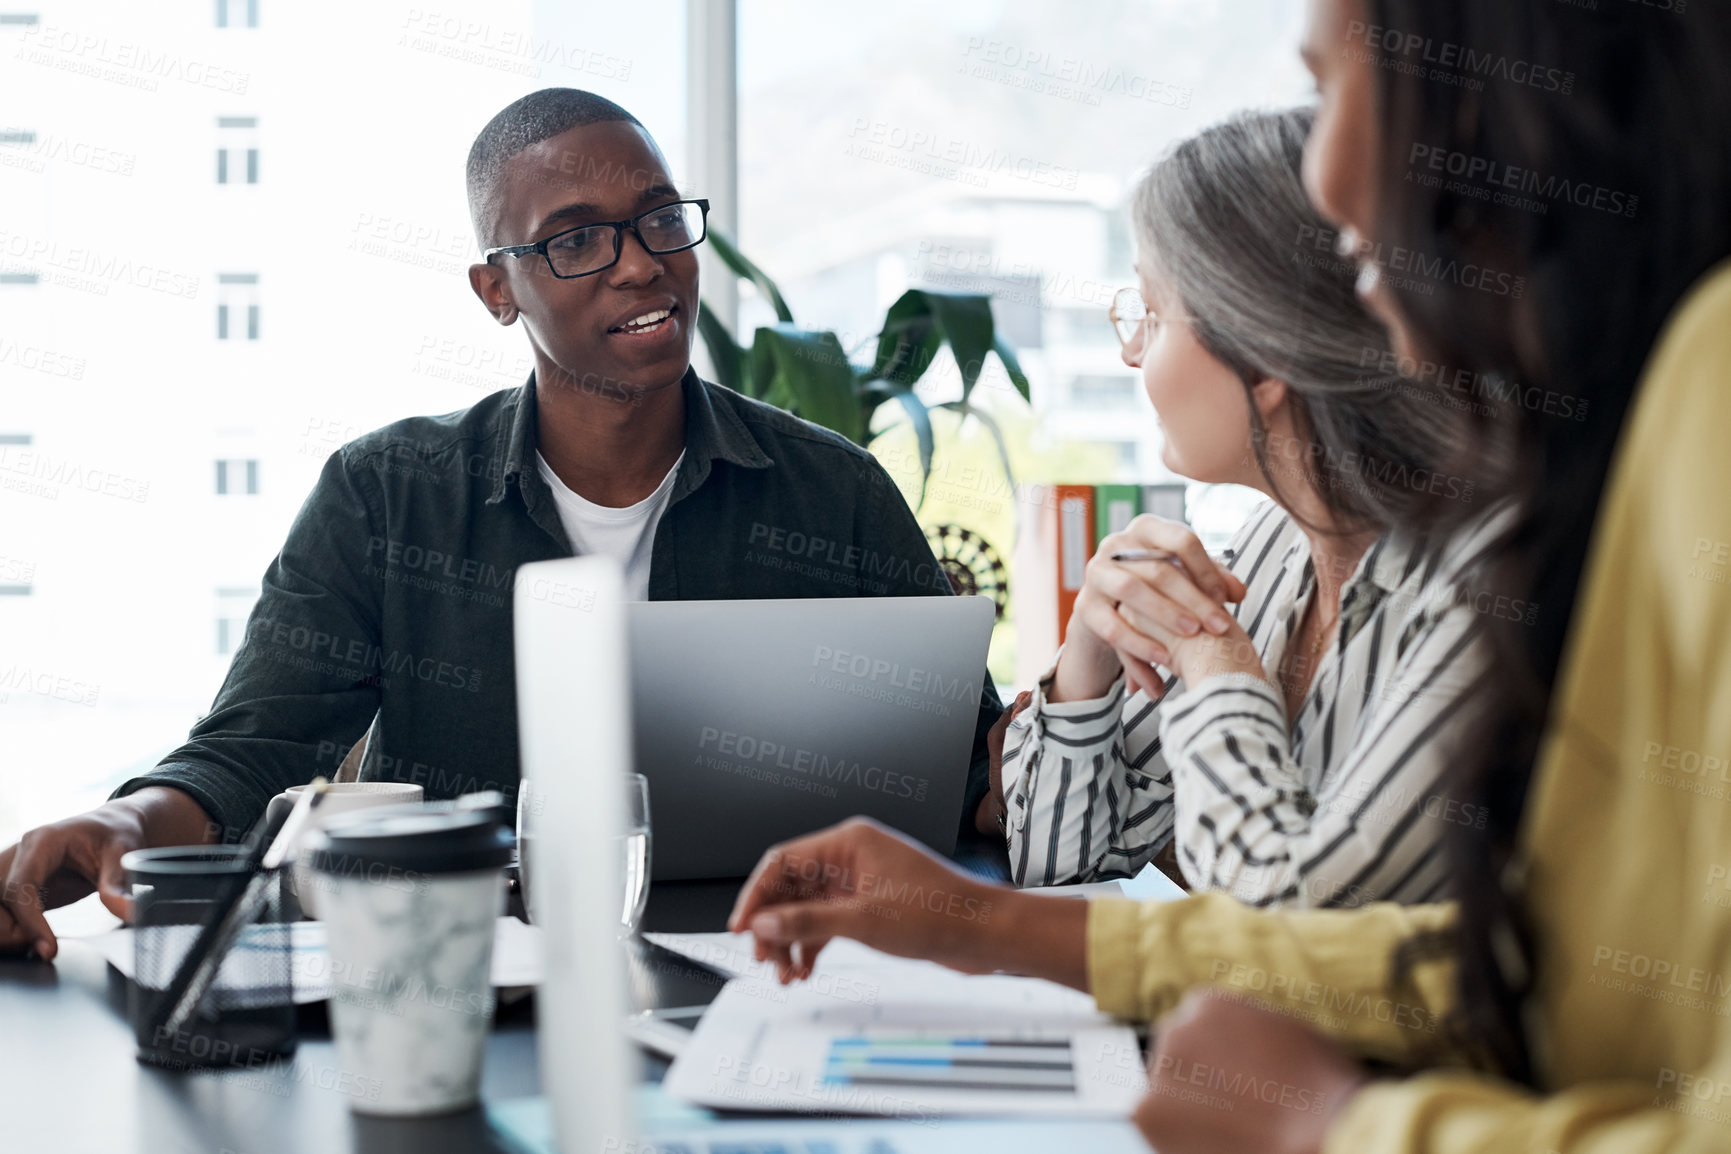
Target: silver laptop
(757,721)
(572,648)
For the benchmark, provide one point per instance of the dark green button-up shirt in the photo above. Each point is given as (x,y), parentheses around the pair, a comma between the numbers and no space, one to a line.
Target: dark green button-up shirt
(390,603)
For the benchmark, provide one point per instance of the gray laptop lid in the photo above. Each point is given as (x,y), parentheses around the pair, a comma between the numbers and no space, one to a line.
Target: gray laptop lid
(758,721)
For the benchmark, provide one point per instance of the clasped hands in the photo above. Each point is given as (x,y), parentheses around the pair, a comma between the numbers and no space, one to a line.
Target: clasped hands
(1137,615)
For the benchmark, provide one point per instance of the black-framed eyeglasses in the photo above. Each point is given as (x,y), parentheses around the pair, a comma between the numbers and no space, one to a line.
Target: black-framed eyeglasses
(591,248)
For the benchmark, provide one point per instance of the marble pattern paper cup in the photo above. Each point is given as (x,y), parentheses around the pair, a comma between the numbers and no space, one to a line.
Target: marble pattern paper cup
(340,798)
(410,900)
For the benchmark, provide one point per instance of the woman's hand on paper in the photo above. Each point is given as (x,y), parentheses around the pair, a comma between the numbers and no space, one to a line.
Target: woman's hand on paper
(862,881)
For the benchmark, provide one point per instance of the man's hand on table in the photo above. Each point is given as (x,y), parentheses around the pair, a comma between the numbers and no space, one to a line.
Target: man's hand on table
(60,863)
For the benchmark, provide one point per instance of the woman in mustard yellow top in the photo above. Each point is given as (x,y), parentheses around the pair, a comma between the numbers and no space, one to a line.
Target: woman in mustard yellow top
(1540,197)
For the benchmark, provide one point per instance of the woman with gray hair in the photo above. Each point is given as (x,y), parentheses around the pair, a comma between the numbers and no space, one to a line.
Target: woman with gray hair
(1292,754)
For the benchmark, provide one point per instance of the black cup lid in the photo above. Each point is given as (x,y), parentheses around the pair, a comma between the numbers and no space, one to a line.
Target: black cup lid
(410,839)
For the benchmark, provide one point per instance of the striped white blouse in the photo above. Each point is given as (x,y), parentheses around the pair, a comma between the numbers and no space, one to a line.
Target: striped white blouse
(1340,808)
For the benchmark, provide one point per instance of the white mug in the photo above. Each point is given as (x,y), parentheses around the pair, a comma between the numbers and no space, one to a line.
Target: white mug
(341,797)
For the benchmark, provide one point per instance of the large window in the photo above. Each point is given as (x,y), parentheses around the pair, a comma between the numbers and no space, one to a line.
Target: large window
(142,221)
(982,145)
(990,147)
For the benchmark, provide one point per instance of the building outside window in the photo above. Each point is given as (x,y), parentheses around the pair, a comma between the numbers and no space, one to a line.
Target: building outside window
(237,13)
(237,476)
(237,306)
(232,608)
(237,150)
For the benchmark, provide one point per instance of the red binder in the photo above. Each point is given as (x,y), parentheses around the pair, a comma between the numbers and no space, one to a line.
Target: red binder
(1075,546)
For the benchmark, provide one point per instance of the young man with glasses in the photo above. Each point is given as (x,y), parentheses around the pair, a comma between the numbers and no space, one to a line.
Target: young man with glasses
(390,604)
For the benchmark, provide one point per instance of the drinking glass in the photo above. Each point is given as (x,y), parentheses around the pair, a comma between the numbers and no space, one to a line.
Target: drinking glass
(526,808)
(635,847)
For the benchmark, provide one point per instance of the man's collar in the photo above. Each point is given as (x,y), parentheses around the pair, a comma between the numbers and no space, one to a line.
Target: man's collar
(713,431)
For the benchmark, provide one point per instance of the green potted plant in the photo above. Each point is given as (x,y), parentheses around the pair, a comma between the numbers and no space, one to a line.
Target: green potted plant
(808,373)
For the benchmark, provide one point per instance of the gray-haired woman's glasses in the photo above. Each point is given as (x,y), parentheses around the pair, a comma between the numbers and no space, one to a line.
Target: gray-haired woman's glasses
(592,248)
(1128,314)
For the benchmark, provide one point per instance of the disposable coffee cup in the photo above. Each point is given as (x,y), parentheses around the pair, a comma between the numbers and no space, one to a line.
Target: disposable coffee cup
(340,798)
(409,900)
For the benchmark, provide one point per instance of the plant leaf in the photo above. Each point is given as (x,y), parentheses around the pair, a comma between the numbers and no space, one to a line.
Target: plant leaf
(724,352)
(1012,366)
(991,425)
(811,370)
(742,267)
(908,342)
(766,383)
(922,422)
(965,320)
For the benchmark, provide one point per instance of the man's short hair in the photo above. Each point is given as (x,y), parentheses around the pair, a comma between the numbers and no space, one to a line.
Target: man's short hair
(529,120)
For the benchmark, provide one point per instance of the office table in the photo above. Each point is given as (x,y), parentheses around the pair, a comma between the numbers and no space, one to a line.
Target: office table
(69,1082)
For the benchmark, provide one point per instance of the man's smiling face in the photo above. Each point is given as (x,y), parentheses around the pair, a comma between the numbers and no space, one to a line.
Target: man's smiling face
(606,171)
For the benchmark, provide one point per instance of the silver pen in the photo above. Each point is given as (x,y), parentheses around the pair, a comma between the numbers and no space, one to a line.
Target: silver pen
(1146,555)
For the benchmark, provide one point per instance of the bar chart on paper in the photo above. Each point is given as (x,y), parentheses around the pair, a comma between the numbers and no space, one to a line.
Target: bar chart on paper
(906,1039)
(968,1060)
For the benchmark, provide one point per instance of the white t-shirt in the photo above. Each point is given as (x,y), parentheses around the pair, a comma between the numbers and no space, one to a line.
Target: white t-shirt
(627,534)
